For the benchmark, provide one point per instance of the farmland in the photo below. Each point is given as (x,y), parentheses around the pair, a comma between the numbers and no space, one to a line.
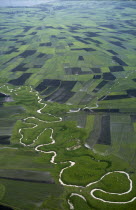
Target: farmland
(68,105)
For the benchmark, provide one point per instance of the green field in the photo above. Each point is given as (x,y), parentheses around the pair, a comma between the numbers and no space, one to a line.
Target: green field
(68,105)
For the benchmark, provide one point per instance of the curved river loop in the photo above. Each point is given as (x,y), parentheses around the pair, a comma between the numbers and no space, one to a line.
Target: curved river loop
(71,163)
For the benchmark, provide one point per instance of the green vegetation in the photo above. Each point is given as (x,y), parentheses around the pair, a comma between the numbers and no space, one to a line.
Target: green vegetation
(68,119)
(2,191)
(28,195)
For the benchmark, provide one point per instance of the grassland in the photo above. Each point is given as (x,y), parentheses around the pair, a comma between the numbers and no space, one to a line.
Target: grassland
(69,69)
(25,158)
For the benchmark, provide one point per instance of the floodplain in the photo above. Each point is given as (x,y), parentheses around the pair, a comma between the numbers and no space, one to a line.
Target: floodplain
(68,105)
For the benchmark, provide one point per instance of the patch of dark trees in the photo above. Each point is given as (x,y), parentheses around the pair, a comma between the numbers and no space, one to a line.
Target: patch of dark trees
(60,7)
(5,139)
(43,7)
(115,37)
(20,35)
(125,14)
(21,80)
(3,40)
(92,40)
(42,18)
(70,44)
(101,110)
(5,207)
(61,37)
(91,34)
(48,44)
(131,93)
(119,61)
(49,90)
(28,180)
(130,23)
(41,55)
(86,49)
(3,95)
(113,97)
(96,70)
(14,49)
(22,42)
(113,52)
(39,28)
(63,93)
(10,60)
(105,135)
(81,58)
(53,36)
(63,89)
(119,44)
(37,66)
(27,28)
(33,33)
(111,26)
(27,53)
(80,39)
(2,28)
(119,8)
(76,71)
(99,86)
(108,76)
(20,67)
(13,39)
(3,98)
(59,28)
(75,27)
(116,68)
(51,27)
(73,31)
(97,77)
(48,83)
(132,32)
(133,118)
